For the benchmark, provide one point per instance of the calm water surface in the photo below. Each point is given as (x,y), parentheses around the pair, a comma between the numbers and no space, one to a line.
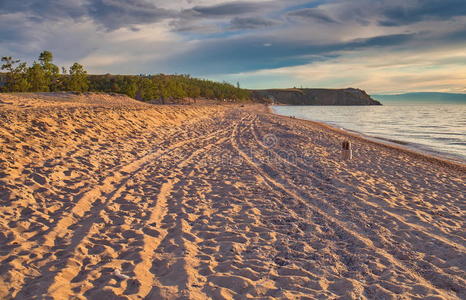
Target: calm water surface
(434,128)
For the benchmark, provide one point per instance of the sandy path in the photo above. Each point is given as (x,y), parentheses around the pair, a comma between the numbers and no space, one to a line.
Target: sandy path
(218,203)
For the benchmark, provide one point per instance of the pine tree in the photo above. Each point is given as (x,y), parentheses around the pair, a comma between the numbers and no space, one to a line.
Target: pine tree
(16,77)
(39,82)
(77,80)
(51,71)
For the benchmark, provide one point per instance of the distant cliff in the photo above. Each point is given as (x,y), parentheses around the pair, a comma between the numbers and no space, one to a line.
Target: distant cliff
(347,96)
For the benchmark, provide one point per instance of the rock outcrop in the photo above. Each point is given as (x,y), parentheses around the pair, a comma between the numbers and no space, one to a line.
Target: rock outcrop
(349,96)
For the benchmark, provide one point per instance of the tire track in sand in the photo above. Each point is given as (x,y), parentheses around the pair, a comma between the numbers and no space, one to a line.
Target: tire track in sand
(187,271)
(109,192)
(142,269)
(143,276)
(292,192)
(427,232)
(451,248)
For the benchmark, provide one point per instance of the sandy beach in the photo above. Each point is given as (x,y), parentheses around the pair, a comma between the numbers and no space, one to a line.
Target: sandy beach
(105,197)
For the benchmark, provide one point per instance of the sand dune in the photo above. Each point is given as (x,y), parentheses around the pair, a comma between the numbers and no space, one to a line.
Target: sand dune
(103,197)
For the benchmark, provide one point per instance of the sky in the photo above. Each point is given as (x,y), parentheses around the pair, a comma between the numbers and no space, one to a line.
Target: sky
(381,46)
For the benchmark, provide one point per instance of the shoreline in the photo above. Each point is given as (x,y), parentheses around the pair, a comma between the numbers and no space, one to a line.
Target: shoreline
(419,154)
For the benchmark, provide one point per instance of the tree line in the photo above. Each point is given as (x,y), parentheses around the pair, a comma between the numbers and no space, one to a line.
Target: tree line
(42,76)
(45,76)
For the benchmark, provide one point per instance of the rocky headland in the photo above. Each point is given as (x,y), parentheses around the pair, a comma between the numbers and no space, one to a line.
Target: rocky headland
(348,96)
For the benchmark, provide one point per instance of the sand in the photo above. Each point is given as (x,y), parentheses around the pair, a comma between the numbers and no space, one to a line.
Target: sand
(103,197)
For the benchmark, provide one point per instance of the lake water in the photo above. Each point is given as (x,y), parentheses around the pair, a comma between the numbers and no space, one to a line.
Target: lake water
(438,129)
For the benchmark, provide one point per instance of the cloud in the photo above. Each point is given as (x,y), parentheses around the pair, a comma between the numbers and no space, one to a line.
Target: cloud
(42,11)
(114,14)
(312,14)
(111,14)
(215,37)
(380,41)
(227,16)
(227,9)
(412,11)
(398,72)
(394,12)
(239,23)
(195,27)
(252,52)
(126,52)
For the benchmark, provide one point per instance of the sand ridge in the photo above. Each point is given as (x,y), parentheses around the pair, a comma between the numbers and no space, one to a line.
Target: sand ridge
(216,202)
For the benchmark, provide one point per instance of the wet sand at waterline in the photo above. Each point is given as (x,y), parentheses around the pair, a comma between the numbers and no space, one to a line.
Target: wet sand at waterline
(103,197)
